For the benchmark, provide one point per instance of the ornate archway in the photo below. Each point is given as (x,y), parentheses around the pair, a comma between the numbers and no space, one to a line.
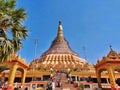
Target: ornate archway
(15,63)
(109,62)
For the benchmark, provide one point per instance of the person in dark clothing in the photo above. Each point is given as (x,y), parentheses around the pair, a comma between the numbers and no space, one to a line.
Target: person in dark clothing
(50,86)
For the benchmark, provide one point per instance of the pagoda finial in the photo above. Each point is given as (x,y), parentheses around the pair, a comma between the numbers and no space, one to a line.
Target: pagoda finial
(60,33)
(60,22)
(111,47)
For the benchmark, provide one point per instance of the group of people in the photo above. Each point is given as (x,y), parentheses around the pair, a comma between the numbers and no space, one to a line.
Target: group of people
(3,84)
(55,81)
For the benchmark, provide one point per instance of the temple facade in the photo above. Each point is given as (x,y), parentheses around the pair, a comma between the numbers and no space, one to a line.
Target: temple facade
(60,57)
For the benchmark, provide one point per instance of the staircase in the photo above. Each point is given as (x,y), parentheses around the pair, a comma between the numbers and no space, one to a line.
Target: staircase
(65,84)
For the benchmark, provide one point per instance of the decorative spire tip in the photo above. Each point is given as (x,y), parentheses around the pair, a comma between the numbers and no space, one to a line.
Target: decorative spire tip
(111,47)
(60,33)
(60,22)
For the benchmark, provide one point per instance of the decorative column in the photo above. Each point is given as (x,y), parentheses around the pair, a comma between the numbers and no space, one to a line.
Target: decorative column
(12,75)
(107,80)
(98,74)
(76,78)
(111,76)
(41,78)
(70,78)
(23,77)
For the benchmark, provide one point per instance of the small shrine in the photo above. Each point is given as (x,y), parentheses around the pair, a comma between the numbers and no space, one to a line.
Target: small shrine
(110,64)
(13,64)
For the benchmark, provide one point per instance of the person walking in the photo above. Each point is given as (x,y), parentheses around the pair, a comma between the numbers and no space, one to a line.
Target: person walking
(50,86)
(53,85)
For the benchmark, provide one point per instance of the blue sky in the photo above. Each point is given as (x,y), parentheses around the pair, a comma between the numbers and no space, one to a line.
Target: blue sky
(93,24)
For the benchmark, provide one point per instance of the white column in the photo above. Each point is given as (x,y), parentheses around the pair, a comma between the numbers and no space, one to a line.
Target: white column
(107,80)
(76,78)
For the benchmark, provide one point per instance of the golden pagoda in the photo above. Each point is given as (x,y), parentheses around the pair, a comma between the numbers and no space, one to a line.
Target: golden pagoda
(59,56)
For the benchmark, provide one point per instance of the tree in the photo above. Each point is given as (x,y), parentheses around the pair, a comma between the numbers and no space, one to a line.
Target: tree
(12,31)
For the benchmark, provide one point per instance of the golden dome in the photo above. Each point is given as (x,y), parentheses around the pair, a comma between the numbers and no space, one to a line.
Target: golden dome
(60,44)
(60,55)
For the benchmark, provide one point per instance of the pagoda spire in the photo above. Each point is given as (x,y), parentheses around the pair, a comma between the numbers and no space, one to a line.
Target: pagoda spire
(111,48)
(60,33)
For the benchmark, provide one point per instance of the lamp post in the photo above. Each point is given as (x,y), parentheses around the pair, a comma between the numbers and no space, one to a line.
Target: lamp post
(36,42)
(34,62)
